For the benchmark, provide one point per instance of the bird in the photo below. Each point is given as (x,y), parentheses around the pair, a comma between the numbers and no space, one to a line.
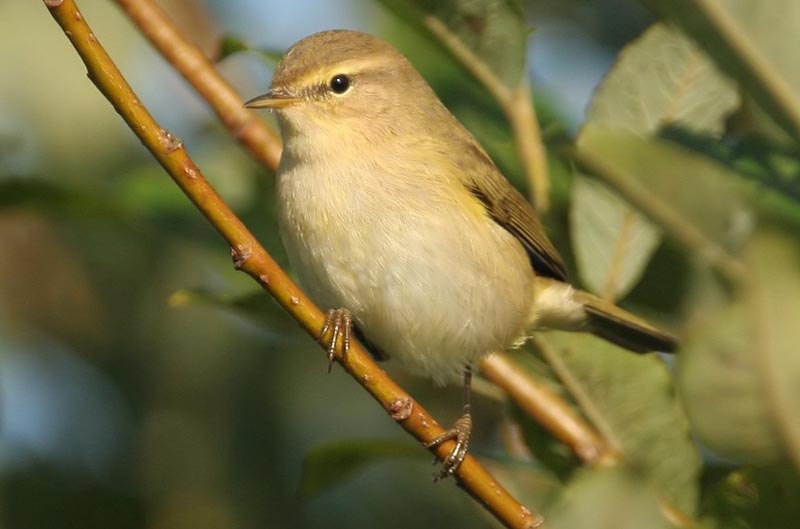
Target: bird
(397,220)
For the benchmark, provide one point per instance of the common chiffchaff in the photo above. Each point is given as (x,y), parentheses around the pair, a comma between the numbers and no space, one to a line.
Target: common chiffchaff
(392,212)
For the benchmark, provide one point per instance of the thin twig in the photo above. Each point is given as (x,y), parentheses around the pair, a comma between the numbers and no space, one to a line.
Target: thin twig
(549,410)
(250,257)
(554,360)
(517,104)
(262,142)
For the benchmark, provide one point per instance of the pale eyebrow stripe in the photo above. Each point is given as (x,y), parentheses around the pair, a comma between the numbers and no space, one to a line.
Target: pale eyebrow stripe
(345,67)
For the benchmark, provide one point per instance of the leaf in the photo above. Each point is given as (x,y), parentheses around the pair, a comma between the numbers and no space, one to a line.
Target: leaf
(607,499)
(663,78)
(333,463)
(740,373)
(756,497)
(54,198)
(748,40)
(494,30)
(231,44)
(659,79)
(631,402)
(678,183)
(256,304)
(774,166)
(598,216)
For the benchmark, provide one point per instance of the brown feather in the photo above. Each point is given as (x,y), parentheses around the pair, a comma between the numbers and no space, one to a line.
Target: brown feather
(507,207)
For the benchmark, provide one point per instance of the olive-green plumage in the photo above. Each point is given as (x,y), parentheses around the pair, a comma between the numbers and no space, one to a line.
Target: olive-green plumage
(391,209)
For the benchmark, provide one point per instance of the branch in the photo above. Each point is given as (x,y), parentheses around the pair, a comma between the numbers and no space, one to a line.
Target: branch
(189,60)
(518,107)
(250,257)
(549,410)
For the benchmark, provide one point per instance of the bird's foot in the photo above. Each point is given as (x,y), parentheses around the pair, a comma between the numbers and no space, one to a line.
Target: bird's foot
(339,324)
(461,432)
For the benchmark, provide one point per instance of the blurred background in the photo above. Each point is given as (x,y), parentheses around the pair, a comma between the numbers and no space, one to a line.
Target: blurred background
(128,396)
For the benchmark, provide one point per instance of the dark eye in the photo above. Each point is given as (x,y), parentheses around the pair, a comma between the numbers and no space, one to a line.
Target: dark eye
(340,83)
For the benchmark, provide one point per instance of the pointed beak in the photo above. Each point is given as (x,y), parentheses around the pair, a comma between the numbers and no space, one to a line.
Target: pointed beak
(274,99)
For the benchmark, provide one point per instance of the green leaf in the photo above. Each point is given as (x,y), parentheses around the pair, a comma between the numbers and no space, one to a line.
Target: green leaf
(754,498)
(231,44)
(659,79)
(613,243)
(740,371)
(748,40)
(630,400)
(663,78)
(256,304)
(607,499)
(774,166)
(333,463)
(54,198)
(493,30)
(677,183)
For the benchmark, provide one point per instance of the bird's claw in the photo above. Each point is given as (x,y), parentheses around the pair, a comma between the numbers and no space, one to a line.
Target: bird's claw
(339,324)
(461,432)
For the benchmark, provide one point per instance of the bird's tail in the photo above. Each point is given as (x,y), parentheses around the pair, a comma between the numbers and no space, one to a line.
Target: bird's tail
(620,327)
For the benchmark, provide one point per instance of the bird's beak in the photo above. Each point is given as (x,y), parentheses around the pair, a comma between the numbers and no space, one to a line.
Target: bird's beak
(275,98)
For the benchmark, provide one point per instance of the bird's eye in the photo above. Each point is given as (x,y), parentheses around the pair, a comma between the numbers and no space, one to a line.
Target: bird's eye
(340,83)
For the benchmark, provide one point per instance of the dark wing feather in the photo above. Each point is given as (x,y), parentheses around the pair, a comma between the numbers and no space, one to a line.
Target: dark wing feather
(512,211)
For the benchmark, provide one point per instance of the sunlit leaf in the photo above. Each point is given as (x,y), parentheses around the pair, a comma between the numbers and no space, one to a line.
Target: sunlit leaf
(749,41)
(663,78)
(333,463)
(494,30)
(631,401)
(660,79)
(607,499)
(740,371)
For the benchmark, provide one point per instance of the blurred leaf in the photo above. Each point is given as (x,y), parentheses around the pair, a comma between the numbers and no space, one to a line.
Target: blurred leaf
(230,44)
(330,464)
(630,400)
(607,499)
(659,79)
(494,30)
(612,242)
(549,451)
(663,78)
(53,198)
(740,373)
(772,165)
(257,304)
(748,41)
(692,188)
(756,498)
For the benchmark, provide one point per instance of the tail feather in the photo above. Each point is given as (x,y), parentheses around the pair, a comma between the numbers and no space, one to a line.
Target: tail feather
(622,328)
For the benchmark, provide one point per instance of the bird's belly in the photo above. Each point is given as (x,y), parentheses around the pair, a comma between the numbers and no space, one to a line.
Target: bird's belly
(432,285)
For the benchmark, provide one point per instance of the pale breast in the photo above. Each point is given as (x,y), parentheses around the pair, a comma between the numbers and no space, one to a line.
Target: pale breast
(429,278)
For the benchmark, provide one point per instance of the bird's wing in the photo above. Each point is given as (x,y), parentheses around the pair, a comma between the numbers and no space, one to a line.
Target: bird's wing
(506,206)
